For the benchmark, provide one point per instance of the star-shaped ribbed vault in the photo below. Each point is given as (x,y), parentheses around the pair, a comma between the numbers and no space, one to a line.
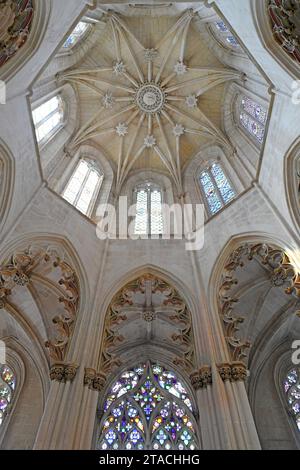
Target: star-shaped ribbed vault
(144,104)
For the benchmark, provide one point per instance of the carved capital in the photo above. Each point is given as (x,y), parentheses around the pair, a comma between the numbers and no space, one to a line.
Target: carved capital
(57,372)
(89,375)
(70,372)
(99,382)
(225,371)
(94,380)
(63,372)
(238,371)
(201,378)
(233,371)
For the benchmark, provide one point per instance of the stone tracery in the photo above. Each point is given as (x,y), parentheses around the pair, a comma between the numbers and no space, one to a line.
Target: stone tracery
(170,323)
(15,23)
(282,274)
(285,21)
(42,266)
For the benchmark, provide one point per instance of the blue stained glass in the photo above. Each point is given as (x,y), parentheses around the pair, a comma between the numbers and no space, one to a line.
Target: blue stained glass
(291,387)
(232,40)
(223,184)
(254,109)
(7,387)
(221,26)
(211,195)
(77,33)
(253,127)
(148,417)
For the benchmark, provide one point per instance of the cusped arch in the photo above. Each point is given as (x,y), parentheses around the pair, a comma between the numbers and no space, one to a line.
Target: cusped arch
(41,14)
(171,278)
(263,26)
(235,277)
(158,300)
(292,181)
(54,274)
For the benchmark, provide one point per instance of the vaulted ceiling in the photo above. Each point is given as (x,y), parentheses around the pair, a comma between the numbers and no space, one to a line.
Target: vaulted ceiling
(150,91)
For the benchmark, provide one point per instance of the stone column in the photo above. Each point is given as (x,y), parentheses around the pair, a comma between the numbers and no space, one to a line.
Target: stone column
(226,420)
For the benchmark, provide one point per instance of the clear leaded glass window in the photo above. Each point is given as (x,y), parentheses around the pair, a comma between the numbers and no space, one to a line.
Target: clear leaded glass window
(291,387)
(78,32)
(149,217)
(148,407)
(83,186)
(253,118)
(7,390)
(216,187)
(225,35)
(47,118)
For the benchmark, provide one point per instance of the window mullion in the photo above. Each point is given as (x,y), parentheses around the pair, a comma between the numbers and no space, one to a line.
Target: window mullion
(46,118)
(216,187)
(149,228)
(81,189)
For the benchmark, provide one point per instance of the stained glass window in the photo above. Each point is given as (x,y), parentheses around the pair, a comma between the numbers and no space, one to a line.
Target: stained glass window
(149,217)
(148,408)
(216,187)
(78,32)
(83,186)
(7,390)
(47,118)
(225,34)
(291,387)
(253,118)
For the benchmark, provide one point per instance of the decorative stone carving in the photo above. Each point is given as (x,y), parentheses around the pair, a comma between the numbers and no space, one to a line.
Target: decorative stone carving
(18,271)
(225,371)
(150,98)
(94,380)
(238,371)
(235,371)
(282,274)
(63,372)
(201,378)
(163,304)
(285,22)
(64,324)
(15,23)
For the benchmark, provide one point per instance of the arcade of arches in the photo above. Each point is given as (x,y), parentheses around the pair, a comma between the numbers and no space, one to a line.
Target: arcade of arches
(142,342)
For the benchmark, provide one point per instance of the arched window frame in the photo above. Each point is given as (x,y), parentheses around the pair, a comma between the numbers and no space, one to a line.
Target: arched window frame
(11,386)
(94,166)
(62,107)
(15,363)
(149,186)
(285,394)
(292,181)
(65,49)
(207,168)
(281,369)
(221,33)
(192,412)
(240,109)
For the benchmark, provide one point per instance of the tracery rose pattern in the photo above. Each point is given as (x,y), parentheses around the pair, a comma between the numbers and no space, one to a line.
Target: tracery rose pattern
(148,408)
